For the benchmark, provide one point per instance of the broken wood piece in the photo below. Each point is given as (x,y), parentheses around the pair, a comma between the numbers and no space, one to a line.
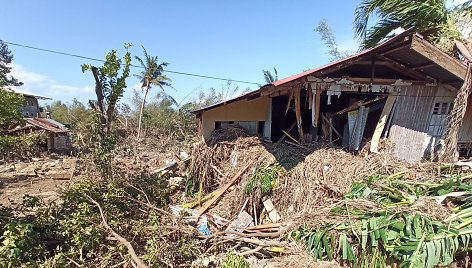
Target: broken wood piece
(374,144)
(217,170)
(466,53)
(310,99)
(288,130)
(264,226)
(221,191)
(331,126)
(268,230)
(290,97)
(273,214)
(288,135)
(197,202)
(317,107)
(298,115)
(358,104)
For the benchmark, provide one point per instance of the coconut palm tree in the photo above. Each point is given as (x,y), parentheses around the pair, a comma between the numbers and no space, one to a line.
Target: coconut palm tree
(437,23)
(269,77)
(151,75)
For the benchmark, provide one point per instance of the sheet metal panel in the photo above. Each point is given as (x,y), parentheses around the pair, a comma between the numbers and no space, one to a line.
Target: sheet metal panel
(411,120)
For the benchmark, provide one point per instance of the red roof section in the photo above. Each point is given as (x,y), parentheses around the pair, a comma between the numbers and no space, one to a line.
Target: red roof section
(294,77)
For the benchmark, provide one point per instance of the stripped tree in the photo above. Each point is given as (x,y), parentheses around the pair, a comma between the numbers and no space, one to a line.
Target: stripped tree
(109,88)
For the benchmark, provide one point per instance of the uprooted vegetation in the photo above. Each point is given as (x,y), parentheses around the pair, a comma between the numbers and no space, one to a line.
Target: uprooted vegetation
(259,203)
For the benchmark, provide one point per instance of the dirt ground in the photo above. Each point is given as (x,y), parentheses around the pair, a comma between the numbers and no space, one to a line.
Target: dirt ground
(45,177)
(49,175)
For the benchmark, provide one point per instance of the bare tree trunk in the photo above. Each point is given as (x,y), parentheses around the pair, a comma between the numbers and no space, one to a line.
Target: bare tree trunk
(448,151)
(142,109)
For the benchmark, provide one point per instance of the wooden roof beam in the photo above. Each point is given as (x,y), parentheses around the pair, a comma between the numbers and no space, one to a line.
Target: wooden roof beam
(404,69)
(422,67)
(440,58)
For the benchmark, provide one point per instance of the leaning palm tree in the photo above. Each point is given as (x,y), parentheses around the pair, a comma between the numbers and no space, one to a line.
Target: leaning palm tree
(151,75)
(437,23)
(442,26)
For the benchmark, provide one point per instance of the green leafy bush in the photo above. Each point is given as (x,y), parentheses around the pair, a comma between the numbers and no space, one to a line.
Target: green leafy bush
(234,261)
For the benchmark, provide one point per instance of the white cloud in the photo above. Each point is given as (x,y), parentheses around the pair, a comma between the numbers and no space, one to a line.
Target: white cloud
(137,87)
(43,85)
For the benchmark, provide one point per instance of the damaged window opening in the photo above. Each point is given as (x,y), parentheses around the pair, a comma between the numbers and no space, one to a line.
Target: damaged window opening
(252,127)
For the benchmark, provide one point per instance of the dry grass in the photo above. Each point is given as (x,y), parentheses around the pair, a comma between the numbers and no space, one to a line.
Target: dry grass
(310,179)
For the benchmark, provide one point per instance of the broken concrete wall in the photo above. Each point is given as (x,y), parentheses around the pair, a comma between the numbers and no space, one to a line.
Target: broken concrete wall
(61,142)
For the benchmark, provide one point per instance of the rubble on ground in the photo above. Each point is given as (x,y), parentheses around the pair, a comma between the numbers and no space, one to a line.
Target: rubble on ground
(310,184)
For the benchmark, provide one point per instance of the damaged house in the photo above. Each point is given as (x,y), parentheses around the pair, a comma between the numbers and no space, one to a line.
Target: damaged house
(402,89)
(58,138)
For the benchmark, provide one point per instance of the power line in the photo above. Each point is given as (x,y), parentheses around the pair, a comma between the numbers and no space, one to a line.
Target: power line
(136,66)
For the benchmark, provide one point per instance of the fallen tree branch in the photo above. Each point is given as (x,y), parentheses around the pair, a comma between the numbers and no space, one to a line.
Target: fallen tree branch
(121,239)
(252,251)
(152,207)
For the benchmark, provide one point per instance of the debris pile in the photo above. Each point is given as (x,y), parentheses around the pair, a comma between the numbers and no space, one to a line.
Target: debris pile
(324,197)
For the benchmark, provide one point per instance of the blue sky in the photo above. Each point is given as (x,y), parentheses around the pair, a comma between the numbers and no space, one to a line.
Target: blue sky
(229,39)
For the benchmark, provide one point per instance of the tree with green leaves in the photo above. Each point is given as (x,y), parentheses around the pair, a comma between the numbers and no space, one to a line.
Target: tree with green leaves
(109,88)
(431,18)
(9,108)
(327,35)
(269,77)
(10,102)
(151,75)
(60,112)
(5,60)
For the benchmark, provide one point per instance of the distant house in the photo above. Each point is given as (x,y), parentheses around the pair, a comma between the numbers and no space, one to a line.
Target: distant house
(402,90)
(31,107)
(58,136)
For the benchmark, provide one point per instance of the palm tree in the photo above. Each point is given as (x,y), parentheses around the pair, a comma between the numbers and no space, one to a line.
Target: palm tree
(151,75)
(269,78)
(437,23)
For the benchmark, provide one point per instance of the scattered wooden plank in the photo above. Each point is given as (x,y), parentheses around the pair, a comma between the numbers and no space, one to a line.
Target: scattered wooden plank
(221,191)
(288,130)
(331,126)
(195,203)
(288,135)
(382,121)
(273,214)
(358,104)
(264,226)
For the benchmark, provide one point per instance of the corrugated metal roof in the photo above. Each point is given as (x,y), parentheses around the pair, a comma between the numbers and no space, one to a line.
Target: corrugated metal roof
(29,94)
(42,123)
